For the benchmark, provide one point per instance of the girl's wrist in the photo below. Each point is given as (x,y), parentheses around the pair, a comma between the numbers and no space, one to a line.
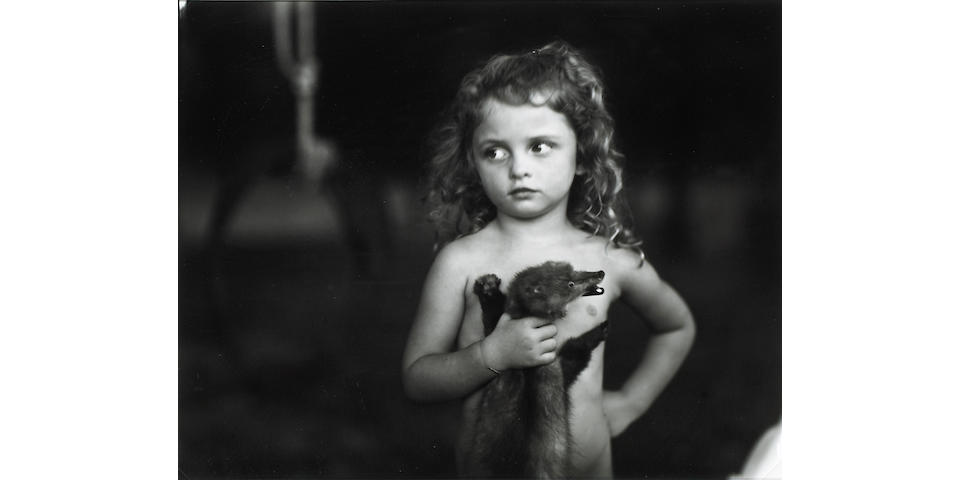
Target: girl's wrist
(484,358)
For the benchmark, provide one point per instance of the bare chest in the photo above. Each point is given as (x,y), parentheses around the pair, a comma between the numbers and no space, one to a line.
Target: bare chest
(582,314)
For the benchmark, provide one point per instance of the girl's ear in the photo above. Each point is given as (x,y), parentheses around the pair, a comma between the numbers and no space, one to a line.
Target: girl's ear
(580,169)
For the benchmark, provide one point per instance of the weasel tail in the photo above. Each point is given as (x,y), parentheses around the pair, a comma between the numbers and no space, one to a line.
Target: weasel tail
(522,426)
(550,433)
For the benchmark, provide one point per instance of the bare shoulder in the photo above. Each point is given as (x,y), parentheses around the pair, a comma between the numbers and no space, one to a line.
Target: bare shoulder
(629,270)
(609,255)
(464,252)
(457,262)
(641,288)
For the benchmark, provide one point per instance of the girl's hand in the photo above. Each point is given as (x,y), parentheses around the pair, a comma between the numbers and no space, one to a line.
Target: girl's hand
(520,343)
(620,411)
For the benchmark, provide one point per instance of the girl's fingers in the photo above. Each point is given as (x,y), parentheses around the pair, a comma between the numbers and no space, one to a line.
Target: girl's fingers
(549,345)
(537,322)
(549,330)
(548,357)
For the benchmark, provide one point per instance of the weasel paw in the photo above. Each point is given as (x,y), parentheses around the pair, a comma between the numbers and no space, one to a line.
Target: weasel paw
(487,285)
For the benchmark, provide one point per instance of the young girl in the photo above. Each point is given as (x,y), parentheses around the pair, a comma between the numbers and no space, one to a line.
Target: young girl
(524,171)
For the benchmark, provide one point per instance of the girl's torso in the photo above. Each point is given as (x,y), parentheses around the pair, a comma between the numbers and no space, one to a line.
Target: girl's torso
(588,426)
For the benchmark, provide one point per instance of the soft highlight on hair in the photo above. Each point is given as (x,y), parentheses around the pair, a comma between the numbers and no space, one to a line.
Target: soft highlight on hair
(557,76)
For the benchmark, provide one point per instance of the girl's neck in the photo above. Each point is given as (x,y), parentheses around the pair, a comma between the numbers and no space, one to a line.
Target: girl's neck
(541,229)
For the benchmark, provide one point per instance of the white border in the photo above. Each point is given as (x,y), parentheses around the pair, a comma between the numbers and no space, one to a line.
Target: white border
(89,264)
(870,262)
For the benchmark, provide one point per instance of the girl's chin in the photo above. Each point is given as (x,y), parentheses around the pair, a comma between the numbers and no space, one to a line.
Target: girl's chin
(528,209)
(526,213)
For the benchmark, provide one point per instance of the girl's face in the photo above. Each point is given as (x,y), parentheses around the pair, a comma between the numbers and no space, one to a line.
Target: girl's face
(526,157)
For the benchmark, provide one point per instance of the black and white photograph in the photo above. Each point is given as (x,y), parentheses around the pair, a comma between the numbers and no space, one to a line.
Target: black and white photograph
(479,239)
(472,239)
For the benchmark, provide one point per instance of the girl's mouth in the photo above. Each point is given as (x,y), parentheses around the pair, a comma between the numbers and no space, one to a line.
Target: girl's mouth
(522,191)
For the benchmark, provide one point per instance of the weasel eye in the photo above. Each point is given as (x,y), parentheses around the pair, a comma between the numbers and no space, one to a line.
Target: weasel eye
(571,284)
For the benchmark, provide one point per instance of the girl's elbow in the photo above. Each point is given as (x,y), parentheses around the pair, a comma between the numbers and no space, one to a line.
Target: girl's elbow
(412,388)
(691,327)
(682,325)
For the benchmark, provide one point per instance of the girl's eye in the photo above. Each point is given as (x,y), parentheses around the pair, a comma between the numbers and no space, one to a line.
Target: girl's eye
(496,154)
(541,148)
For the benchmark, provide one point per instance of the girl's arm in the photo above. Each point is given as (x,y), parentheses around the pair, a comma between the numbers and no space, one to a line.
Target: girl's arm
(432,367)
(672,329)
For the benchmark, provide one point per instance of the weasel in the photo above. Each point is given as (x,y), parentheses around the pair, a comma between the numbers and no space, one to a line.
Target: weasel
(523,426)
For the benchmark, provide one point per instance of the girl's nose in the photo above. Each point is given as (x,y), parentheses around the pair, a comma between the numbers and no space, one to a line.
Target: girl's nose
(519,167)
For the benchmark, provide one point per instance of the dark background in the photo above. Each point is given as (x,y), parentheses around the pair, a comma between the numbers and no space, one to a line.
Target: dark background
(292,323)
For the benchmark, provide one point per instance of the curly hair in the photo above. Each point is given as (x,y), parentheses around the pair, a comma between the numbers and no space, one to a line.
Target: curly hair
(457,203)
